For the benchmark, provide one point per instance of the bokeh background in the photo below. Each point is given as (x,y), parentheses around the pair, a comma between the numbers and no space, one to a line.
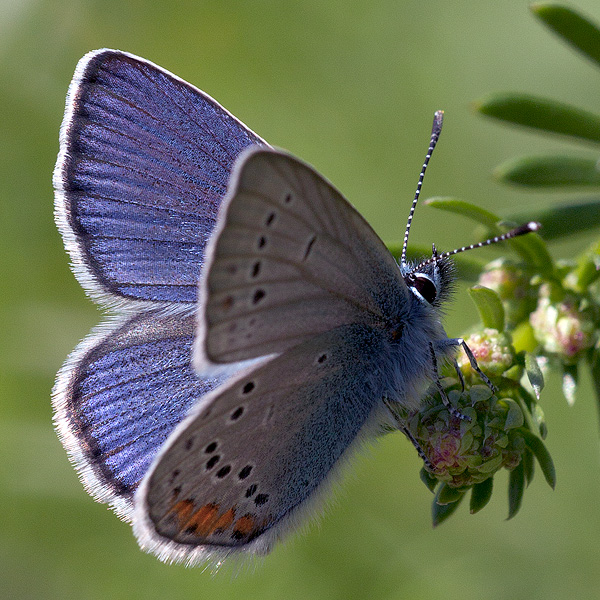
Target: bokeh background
(350,86)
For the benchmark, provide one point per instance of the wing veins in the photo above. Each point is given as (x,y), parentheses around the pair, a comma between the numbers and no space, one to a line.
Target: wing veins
(200,124)
(151,132)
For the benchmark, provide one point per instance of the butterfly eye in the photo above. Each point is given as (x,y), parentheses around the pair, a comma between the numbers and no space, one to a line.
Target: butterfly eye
(423,285)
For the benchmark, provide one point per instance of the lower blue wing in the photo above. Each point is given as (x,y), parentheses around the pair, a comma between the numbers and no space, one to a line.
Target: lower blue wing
(120,395)
(144,162)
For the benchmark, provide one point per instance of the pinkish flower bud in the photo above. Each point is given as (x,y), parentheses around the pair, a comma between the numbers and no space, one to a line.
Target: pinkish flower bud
(560,327)
(513,286)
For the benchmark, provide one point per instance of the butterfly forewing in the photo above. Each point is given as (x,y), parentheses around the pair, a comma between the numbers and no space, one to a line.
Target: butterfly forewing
(143,165)
(240,466)
(291,259)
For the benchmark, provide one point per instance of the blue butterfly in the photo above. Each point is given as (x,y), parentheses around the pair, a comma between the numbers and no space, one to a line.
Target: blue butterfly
(304,330)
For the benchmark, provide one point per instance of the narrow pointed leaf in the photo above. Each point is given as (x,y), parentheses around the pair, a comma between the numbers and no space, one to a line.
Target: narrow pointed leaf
(535,410)
(428,479)
(549,171)
(465,209)
(447,494)
(532,249)
(489,305)
(528,463)
(539,420)
(542,455)
(572,27)
(542,114)
(514,417)
(441,512)
(481,494)
(534,373)
(516,489)
(563,220)
(588,267)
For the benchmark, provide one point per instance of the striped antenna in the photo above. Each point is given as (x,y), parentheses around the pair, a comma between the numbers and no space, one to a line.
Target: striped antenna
(521,230)
(436,129)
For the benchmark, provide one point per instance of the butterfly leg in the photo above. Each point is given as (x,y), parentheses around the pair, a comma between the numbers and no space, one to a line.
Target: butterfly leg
(459,374)
(420,451)
(453,411)
(410,436)
(461,342)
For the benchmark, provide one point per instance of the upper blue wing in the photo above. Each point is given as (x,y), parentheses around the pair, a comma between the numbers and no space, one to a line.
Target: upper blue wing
(144,162)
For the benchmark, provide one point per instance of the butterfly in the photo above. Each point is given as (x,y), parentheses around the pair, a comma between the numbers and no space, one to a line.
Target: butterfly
(213,248)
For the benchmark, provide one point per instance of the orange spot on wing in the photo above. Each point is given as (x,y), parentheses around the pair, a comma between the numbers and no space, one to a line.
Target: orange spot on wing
(182,510)
(202,521)
(224,521)
(244,525)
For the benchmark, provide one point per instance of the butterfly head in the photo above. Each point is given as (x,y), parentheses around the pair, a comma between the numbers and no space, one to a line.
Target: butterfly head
(431,280)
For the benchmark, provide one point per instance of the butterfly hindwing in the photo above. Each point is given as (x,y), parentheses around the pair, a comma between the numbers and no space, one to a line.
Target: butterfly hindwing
(143,165)
(245,465)
(119,396)
(291,258)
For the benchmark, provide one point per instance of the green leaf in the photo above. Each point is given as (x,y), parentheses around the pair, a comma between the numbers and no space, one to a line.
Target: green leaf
(514,417)
(447,494)
(516,489)
(573,27)
(539,420)
(490,307)
(528,463)
(465,209)
(544,114)
(533,251)
(481,494)
(588,267)
(542,455)
(561,220)
(535,410)
(441,512)
(534,373)
(428,479)
(549,171)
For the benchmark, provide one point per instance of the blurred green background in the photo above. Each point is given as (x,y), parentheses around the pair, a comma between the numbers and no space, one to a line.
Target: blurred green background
(350,87)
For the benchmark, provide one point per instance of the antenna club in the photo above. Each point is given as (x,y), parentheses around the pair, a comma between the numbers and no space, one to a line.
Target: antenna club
(530,227)
(438,120)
